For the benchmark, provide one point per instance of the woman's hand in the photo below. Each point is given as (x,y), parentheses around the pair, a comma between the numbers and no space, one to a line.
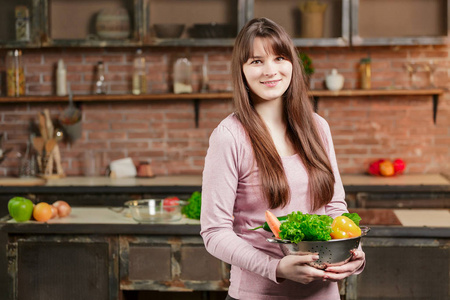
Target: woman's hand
(340,272)
(296,268)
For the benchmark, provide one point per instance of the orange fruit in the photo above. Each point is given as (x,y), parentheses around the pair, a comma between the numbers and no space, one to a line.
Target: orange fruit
(42,212)
(387,168)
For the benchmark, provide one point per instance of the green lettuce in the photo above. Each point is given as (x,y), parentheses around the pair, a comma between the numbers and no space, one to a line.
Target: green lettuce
(306,227)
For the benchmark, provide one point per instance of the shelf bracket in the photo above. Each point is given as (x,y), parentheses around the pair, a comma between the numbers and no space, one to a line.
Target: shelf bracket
(435,106)
(196,111)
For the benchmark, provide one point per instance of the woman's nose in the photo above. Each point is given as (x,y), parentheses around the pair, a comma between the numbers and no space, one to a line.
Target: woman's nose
(270,69)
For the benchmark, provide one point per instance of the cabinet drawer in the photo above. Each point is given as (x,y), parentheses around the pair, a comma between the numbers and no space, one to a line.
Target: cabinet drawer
(169,264)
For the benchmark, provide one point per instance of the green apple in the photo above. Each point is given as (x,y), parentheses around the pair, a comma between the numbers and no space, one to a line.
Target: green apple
(20,209)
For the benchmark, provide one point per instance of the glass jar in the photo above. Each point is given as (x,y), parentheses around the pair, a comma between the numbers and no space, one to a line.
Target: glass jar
(182,76)
(365,73)
(15,75)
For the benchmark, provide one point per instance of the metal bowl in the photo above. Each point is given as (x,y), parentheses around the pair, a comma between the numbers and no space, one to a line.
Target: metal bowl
(155,210)
(168,30)
(331,253)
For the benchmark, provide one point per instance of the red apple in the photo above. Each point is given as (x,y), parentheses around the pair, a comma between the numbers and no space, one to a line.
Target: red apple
(399,166)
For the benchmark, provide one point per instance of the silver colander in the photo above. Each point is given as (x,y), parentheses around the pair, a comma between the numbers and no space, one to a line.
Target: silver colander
(331,253)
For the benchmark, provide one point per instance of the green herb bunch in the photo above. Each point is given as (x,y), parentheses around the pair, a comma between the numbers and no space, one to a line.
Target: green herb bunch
(193,208)
(307,63)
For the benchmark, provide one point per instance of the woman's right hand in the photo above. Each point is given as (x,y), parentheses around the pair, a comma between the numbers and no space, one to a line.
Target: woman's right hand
(296,268)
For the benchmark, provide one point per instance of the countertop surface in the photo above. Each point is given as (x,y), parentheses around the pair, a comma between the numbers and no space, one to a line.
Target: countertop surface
(409,182)
(117,220)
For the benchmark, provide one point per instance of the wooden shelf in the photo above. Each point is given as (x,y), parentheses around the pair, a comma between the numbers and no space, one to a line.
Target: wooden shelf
(196,97)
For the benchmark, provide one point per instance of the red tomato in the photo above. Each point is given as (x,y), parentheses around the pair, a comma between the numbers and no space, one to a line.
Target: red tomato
(169,202)
(374,168)
(399,166)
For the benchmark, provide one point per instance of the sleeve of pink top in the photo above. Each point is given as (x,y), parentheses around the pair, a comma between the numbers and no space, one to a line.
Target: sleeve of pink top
(220,180)
(337,205)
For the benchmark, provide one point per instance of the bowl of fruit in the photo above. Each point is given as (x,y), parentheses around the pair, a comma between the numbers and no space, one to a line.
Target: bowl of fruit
(301,234)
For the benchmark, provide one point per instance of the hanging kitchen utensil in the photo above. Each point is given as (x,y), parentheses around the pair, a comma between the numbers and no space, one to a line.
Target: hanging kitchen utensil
(70,120)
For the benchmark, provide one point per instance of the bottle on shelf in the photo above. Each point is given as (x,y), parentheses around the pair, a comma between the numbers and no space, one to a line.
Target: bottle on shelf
(61,79)
(182,76)
(15,76)
(100,85)
(365,73)
(139,81)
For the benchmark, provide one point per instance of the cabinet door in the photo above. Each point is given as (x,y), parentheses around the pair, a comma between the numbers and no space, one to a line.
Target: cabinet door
(19,23)
(162,263)
(325,24)
(62,267)
(401,22)
(92,23)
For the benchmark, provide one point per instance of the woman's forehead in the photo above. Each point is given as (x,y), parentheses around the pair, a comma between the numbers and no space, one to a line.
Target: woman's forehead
(262,46)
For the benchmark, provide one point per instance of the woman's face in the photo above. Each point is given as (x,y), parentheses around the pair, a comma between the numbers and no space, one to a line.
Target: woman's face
(268,75)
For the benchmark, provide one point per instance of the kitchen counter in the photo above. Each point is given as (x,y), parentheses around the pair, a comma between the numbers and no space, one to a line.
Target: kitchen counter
(123,255)
(410,182)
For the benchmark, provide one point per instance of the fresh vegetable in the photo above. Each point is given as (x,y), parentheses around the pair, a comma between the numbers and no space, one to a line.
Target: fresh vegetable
(374,167)
(266,227)
(399,166)
(274,223)
(20,209)
(42,212)
(306,227)
(353,216)
(169,202)
(63,207)
(193,208)
(386,168)
(343,228)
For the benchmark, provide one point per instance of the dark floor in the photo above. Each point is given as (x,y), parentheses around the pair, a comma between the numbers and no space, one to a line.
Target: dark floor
(154,295)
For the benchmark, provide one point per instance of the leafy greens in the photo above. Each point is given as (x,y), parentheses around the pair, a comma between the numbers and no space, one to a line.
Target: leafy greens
(306,227)
(193,208)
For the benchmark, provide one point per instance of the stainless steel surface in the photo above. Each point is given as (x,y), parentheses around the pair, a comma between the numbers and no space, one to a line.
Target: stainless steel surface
(331,253)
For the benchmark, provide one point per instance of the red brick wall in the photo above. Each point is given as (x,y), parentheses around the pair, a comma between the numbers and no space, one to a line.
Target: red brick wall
(164,133)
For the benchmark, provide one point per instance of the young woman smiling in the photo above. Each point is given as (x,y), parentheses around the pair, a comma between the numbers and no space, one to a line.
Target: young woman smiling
(272,153)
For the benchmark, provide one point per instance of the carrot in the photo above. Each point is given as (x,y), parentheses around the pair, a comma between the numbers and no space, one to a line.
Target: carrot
(273,223)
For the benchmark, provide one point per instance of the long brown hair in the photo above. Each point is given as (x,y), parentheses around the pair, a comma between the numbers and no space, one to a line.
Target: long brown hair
(301,128)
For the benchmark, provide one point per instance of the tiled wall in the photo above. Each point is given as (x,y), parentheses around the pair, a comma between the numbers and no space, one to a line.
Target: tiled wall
(164,133)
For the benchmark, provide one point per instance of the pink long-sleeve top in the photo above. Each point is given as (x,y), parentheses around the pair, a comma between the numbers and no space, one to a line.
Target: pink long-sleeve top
(232,202)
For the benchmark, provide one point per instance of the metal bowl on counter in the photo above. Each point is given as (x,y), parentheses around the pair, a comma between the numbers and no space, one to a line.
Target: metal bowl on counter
(155,210)
(331,253)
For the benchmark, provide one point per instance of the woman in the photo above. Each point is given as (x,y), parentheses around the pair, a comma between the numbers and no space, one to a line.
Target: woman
(272,153)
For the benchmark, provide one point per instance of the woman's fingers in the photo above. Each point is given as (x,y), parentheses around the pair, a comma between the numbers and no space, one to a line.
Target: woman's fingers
(296,268)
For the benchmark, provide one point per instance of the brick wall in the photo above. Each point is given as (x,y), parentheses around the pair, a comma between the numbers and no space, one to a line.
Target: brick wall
(164,134)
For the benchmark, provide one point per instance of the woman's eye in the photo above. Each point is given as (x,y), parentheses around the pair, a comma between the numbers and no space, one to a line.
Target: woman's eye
(280,58)
(256,61)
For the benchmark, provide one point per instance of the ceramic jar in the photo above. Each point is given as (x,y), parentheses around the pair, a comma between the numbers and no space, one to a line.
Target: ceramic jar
(113,23)
(334,81)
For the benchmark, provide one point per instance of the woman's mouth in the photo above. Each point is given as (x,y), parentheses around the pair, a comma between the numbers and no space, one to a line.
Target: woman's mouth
(271,83)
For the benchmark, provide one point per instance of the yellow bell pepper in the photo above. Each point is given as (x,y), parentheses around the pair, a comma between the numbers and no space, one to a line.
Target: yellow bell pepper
(343,228)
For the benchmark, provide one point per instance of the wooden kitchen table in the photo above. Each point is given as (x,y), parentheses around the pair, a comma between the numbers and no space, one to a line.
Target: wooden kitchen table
(101,252)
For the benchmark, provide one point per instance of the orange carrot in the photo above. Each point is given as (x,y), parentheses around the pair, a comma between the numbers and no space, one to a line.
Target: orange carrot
(273,223)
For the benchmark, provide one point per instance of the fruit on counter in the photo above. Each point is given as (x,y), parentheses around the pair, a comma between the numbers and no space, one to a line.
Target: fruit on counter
(374,168)
(20,209)
(63,208)
(193,208)
(387,168)
(42,212)
(343,228)
(170,201)
(54,212)
(274,223)
(399,166)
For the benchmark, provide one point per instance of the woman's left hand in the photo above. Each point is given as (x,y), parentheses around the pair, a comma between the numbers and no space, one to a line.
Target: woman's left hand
(340,272)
